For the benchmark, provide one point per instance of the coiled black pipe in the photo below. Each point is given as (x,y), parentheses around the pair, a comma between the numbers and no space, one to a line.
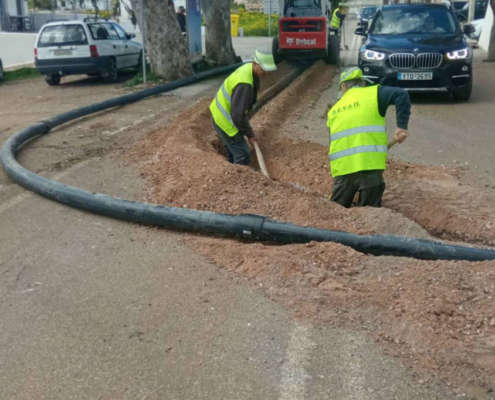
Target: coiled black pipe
(248,226)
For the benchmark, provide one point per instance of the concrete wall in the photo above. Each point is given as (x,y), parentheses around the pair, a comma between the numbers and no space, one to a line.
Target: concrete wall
(487,28)
(17,48)
(10,6)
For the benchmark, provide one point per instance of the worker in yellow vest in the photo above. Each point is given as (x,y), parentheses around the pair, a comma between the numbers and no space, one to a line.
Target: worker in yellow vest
(234,99)
(338,16)
(358,137)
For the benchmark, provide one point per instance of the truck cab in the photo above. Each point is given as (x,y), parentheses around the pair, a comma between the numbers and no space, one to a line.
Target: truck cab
(304,31)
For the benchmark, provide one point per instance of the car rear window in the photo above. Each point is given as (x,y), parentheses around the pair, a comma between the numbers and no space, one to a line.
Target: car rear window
(397,21)
(103,31)
(62,35)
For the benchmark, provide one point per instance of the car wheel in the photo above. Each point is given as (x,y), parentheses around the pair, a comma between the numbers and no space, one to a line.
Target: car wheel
(1,71)
(275,51)
(464,93)
(112,73)
(333,49)
(53,79)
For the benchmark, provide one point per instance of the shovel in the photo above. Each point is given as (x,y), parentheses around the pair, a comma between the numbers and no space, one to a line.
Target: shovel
(259,156)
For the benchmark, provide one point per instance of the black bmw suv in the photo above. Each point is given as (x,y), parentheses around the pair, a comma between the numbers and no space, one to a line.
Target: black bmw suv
(419,47)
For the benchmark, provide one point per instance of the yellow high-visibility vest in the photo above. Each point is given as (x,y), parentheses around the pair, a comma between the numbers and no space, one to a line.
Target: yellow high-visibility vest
(220,107)
(335,21)
(358,134)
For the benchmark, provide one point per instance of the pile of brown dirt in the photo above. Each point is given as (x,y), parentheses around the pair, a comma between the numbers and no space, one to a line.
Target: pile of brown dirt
(438,316)
(436,198)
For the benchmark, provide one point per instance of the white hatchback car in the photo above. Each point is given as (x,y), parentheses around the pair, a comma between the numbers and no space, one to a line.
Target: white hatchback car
(93,47)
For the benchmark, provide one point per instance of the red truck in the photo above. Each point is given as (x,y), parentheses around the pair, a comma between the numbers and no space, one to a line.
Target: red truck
(304,31)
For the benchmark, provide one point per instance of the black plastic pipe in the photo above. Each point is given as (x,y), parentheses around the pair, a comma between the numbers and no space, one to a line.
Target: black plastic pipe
(248,226)
(133,97)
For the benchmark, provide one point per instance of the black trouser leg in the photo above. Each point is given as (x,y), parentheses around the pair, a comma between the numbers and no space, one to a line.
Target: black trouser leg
(343,191)
(372,196)
(236,147)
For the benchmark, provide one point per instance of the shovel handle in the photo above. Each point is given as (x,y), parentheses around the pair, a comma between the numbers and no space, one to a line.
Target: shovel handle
(259,156)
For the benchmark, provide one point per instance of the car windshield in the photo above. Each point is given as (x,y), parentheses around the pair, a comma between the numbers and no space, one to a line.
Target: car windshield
(60,35)
(303,4)
(397,21)
(368,11)
(302,8)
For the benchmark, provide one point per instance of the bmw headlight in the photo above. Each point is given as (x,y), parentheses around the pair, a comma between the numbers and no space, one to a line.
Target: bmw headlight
(461,54)
(372,55)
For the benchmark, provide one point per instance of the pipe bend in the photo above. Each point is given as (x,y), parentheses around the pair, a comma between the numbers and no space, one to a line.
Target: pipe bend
(249,226)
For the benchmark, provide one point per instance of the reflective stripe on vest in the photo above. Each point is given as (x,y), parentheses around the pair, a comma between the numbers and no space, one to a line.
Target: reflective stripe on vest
(355,150)
(220,107)
(335,21)
(358,137)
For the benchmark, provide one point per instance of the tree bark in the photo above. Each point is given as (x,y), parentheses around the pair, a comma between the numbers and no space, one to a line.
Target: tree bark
(218,39)
(95,7)
(166,47)
(491,44)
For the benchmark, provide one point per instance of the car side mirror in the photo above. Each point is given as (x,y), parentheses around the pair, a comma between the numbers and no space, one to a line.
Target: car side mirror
(130,35)
(468,29)
(360,31)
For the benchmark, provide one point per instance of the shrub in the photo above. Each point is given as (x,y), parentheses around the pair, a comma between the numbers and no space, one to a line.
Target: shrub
(256,24)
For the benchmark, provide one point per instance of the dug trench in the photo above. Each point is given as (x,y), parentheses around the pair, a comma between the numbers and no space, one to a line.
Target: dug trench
(437,316)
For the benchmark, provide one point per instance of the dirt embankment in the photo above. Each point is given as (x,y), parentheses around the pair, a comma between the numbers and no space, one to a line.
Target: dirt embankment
(438,316)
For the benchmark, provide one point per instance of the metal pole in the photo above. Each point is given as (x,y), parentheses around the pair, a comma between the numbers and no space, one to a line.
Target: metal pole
(143,23)
(269,18)
(472,5)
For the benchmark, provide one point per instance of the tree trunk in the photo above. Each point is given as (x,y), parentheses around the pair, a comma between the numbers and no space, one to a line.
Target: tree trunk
(218,39)
(95,7)
(491,44)
(166,47)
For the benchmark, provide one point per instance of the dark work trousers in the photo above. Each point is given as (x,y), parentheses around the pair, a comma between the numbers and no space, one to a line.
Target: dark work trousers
(236,147)
(369,185)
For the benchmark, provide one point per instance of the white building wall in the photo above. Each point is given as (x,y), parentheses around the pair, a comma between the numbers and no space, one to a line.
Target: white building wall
(125,18)
(271,7)
(484,40)
(11,7)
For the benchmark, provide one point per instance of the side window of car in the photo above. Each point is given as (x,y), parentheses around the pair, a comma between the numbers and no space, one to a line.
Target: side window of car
(120,32)
(103,32)
(98,32)
(112,33)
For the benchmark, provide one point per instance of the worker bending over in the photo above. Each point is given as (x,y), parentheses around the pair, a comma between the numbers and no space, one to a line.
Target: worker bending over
(358,138)
(338,16)
(232,103)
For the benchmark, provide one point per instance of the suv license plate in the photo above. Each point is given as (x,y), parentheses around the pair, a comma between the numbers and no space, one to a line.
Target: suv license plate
(62,52)
(415,76)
